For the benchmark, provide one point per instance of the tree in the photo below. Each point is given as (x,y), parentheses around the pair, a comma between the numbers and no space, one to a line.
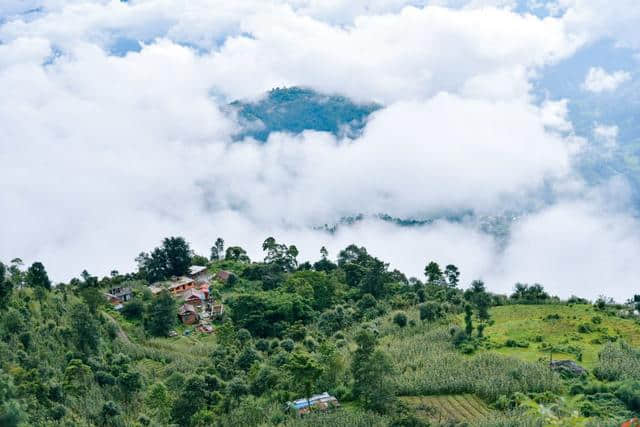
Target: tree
(305,371)
(375,278)
(479,298)
(16,276)
(37,276)
(433,273)
(217,249)
(370,369)
(6,287)
(133,309)
(236,253)
(468,319)
(89,290)
(430,311)
(193,395)
(178,255)
(400,319)
(452,274)
(162,314)
(281,255)
(199,260)
(173,258)
(84,329)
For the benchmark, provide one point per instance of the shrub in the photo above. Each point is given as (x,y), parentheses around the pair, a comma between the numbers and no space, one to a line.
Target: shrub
(514,343)
(430,311)
(287,344)
(596,320)
(585,328)
(262,345)
(400,319)
(133,309)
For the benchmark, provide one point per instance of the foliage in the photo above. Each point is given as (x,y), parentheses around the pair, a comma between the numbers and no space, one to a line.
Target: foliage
(173,258)
(162,314)
(296,109)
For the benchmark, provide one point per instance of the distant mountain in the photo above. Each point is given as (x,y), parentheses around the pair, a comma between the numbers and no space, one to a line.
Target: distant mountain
(296,109)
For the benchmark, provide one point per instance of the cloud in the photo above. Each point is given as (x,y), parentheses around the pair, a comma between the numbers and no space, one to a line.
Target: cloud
(597,19)
(606,134)
(573,248)
(598,80)
(105,155)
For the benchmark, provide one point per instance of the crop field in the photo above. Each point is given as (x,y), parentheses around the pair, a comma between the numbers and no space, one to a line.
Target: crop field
(459,408)
(576,332)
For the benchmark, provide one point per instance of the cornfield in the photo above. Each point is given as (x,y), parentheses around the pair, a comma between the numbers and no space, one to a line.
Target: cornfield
(426,363)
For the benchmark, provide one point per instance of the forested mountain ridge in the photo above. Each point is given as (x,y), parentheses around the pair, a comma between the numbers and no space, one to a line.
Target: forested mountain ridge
(297,109)
(222,340)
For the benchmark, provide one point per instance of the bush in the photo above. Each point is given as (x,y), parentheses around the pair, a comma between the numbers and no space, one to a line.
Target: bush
(287,344)
(133,309)
(400,319)
(596,320)
(516,344)
(430,311)
(585,328)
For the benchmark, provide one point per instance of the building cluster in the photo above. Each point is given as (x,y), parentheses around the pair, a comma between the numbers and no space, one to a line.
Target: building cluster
(196,306)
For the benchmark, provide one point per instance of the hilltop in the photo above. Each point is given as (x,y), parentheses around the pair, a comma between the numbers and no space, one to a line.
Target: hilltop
(223,340)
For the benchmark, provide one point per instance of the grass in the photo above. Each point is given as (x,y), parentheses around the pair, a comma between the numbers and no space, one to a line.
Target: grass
(426,363)
(532,323)
(458,408)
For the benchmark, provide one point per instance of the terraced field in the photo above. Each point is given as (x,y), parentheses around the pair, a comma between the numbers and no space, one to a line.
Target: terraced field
(459,407)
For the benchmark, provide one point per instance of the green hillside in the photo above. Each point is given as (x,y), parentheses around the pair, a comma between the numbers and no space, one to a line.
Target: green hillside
(225,341)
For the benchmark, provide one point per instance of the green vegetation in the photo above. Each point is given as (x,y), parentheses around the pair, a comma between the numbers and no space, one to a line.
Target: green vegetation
(393,351)
(297,109)
(565,330)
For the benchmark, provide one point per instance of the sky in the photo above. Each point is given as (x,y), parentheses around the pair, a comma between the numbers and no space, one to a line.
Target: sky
(115,132)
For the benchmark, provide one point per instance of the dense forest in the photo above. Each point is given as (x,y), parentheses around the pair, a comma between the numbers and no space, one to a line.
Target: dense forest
(222,340)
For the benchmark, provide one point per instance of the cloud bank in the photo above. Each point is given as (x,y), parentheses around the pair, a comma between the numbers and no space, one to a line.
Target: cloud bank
(103,152)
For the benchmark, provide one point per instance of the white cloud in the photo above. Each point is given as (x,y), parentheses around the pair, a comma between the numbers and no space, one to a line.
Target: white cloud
(596,19)
(555,115)
(105,155)
(606,134)
(574,248)
(598,80)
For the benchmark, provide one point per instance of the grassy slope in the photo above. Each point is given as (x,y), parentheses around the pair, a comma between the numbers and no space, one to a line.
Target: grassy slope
(525,322)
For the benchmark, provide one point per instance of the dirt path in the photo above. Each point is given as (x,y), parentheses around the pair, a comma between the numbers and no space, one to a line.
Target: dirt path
(119,331)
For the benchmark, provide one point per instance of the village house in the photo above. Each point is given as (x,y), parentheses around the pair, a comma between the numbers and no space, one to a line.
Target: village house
(114,300)
(188,314)
(222,276)
(200,274)
(318,402)
(194,297)
(176,286)
(125,294)
(217,309)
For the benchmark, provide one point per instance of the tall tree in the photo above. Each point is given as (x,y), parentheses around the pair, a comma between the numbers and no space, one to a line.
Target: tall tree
(452,274)
(6,287)
(162,314)
(280,255)
(217,249)
(236,253)
(375,278)
(178,255)
(305,371)
(16,274)
(84,329)
(89,290)
(479,298)
(37,276)
(433,273)
(370,369)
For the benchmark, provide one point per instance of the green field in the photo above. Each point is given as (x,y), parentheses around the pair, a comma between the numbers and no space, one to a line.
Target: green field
(459,408)
(535,325)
